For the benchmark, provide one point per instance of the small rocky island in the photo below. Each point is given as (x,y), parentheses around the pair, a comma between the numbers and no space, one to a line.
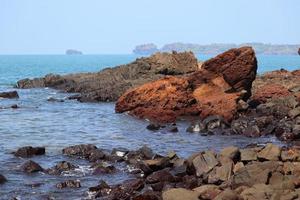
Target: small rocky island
(213,49)
(145,49)
(73,52)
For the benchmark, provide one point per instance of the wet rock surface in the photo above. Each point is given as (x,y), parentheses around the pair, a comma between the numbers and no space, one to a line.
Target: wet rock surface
(69,184)
(109,84)
(9,95)
(31,167)
(213,90)
(2,179)
(259,171)
(29,151)
(61,167)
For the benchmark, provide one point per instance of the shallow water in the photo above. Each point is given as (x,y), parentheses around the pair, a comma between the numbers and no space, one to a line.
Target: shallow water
(56,125)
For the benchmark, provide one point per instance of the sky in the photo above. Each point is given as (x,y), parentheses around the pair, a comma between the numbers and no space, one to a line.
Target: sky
(117,26)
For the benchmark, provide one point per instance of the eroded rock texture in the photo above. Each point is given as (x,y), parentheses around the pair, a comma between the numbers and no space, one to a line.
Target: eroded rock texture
(215,89)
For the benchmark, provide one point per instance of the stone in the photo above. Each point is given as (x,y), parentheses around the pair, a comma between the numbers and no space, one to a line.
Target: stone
(61,167)
(9,95)
(82,150)
(204,163)
(95,155)
(290,155)
(213,122)
(207,191)
(248,155)
(144,153)
(31,167)
(231,152)
(213,90)
(2,179)
(160,176)
(296,131)
(102,185)
(259,191)
(148,195)
(157,164)
(52,99)
(14,106)
(270,152)
(153,127)
(227,195)
(294,112)
(196,127)
(29,151)
(120,152)
(180,194)
(103,168)
(133,184)
(238,166)
(69,184)
(252,131)
(250,175)
(180,168)
(224,172)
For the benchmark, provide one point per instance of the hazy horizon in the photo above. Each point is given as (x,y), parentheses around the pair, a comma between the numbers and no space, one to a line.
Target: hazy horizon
(116,27)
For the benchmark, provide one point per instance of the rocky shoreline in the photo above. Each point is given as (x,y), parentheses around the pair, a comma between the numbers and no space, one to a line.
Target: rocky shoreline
(220,96)
(253,172)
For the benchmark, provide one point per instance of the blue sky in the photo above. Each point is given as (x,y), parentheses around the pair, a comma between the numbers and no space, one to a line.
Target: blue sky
(116,26)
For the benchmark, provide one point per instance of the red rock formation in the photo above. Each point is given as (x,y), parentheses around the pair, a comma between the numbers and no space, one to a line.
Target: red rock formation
(274,84)
(213,90)
(270,91)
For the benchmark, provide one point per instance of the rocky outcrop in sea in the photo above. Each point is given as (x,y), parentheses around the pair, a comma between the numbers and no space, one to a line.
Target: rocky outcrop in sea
(215,89)
(73,52)
(109,84)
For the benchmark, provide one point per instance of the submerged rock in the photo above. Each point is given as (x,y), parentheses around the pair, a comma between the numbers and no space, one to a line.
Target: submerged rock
(2,179)
(31,167)
(109,84)
(69,184)
(9,95)
(61,167)
(52,99)
(213,90)
(29,151)
(14,106)
(82,150)
(103,168)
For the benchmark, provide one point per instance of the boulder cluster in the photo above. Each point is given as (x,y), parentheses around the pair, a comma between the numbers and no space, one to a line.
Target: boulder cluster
(254,172)
(214,89)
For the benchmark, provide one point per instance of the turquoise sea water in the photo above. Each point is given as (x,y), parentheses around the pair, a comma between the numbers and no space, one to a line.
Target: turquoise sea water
(15,67)
(56,125)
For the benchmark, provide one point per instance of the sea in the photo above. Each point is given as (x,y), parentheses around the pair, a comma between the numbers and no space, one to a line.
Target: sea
(56,125)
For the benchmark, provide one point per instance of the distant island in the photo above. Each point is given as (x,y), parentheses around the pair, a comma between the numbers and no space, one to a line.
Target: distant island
(73,52)
(260,48)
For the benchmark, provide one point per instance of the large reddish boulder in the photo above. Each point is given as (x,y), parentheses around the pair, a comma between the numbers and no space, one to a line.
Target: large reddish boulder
(213,90)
